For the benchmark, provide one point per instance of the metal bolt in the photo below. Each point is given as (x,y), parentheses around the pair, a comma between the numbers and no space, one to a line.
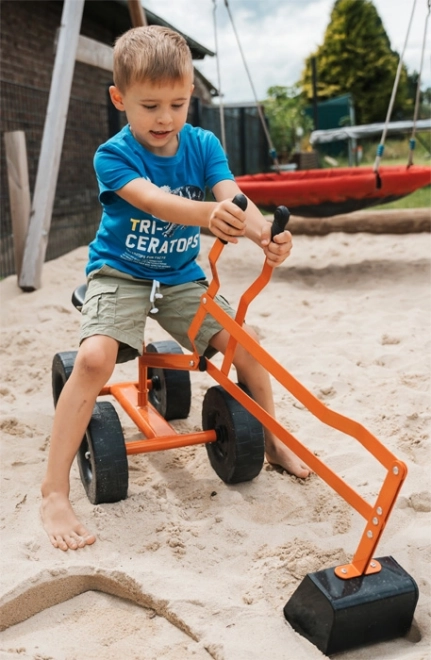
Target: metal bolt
(344,571)
(87,455)
(204,300)
(379,510)
(370,534)
(373,564)
(395,470)
(375,521)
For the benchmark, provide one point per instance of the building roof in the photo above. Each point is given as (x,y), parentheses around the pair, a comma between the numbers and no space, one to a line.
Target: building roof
(115,15)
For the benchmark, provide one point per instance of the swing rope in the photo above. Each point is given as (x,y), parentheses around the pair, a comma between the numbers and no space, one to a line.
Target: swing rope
(381,146)
(412,144)
(222,124)
(272,150)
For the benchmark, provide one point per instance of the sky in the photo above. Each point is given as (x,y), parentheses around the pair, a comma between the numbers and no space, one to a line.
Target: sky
(277,35)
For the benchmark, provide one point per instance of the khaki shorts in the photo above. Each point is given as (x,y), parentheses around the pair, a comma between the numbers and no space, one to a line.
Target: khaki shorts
(117,305)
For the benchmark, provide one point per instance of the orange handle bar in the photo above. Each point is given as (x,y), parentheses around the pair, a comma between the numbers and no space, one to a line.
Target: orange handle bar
(376,515)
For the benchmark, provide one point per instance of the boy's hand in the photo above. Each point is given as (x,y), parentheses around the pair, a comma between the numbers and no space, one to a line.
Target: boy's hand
(277,249)
(227,221)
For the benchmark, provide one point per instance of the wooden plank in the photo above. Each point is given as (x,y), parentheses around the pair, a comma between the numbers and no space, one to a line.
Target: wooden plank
(19,191)
(52,143)
(137,13)
(94,53)
(398,221)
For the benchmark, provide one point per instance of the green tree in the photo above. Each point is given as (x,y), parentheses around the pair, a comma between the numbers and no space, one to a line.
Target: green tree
(356,58)
(284,109)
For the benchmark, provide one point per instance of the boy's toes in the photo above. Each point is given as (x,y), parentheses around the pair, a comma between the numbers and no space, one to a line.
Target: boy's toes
(81,542)
(81,539)
(87,538)
(83,536)
(71,541)
(59,542)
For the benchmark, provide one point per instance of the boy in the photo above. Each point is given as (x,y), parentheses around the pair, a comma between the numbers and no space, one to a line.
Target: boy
(152,176)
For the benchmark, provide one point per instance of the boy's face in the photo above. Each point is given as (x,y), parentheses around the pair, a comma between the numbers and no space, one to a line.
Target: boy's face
(156,112)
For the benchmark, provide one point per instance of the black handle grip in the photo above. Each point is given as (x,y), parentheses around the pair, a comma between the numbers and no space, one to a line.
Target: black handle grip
(281,218)
(241,201)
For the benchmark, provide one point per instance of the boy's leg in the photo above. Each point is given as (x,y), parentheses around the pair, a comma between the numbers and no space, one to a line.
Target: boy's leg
(252,374)
(94,364)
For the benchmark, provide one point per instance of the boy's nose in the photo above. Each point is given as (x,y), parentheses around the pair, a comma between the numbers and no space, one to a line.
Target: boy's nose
(164,117)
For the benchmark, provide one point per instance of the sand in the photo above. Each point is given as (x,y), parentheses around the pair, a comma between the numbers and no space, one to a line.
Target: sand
(186,566)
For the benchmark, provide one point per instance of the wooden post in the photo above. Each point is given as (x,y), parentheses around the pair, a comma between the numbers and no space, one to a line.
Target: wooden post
(137,13)
(52,142)
(94,53)
(19,191)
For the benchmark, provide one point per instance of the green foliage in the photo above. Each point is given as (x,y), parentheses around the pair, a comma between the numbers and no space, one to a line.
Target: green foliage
(284,109)
(356,58)
(418,200)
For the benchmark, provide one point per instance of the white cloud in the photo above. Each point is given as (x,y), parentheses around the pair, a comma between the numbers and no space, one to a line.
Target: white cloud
(276,37)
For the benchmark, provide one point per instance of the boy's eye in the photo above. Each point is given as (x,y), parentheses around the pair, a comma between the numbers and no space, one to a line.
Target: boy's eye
(149,107)
(177,106)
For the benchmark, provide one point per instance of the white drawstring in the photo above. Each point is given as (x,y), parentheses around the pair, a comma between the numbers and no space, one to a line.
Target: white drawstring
(154,295)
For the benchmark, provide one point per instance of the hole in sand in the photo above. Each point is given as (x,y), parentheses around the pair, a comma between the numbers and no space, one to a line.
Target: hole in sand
(414,635)
(98,625)
(81,611)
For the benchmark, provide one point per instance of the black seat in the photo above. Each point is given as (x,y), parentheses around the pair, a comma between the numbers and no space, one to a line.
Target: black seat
(78,296)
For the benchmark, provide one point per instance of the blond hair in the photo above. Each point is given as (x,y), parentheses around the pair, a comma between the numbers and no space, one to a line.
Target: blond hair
(152,53)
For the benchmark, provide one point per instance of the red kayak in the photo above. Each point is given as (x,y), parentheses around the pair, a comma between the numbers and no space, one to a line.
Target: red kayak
(327,192)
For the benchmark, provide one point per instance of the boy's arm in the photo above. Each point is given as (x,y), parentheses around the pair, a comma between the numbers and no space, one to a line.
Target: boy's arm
(224,219)
(256,227)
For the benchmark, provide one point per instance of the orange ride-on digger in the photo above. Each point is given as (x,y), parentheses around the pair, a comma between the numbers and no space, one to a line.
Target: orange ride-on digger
(364,602)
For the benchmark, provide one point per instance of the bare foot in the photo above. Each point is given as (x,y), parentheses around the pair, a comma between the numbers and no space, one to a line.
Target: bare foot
(62,526)
(279,455)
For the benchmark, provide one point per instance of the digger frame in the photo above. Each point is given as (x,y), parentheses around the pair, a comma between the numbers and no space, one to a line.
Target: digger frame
(159,434)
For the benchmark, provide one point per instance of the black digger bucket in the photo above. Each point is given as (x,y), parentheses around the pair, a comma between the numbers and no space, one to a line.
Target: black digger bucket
(368,600)
(337,615)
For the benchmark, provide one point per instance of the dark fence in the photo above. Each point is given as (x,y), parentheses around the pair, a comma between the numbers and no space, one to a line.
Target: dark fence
(76,212)
(246,144)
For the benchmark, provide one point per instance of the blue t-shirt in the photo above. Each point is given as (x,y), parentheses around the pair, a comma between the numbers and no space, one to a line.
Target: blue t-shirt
(136,242)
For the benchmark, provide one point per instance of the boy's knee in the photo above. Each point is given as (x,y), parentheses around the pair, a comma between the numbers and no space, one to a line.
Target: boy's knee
(96,359)
(252,333)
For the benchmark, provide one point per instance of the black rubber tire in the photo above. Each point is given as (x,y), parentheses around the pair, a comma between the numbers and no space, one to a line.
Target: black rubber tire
(238,453)
(62,365)
(171,394)
(102,457)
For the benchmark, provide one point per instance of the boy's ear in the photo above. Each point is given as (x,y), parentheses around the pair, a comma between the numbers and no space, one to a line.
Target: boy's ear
(116,97)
